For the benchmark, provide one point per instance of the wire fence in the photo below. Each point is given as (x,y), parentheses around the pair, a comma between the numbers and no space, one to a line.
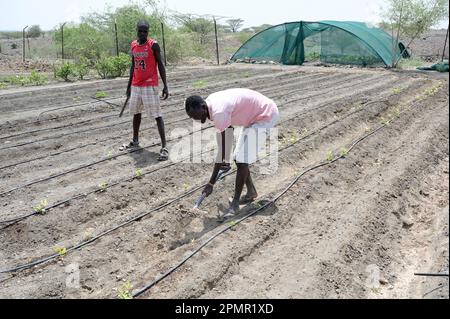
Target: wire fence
(214,46)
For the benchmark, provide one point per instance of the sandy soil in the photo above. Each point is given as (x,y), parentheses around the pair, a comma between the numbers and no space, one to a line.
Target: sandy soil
(356,228)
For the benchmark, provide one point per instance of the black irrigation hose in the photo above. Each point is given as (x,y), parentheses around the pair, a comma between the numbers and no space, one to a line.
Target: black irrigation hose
(66,107)
(57,127)
(237,221)
(85,166)
(121,154)
(107,126)
(85,103)
(17,219)
(31,214)
(431,274)
(43,260)
(140,216)
(108,116)
(113,115)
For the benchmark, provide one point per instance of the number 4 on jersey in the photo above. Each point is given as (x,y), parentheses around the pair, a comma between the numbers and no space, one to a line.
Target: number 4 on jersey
(142,64)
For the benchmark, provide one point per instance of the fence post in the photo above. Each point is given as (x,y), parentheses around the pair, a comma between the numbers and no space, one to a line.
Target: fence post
(217,41)
(445,44)
(62,40)
(164,44)
(117,39)
(23,38)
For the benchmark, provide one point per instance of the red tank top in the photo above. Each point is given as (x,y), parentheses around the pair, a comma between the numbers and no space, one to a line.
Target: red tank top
(145,71)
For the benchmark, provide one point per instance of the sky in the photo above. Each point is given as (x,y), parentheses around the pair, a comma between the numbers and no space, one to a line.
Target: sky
(16,14)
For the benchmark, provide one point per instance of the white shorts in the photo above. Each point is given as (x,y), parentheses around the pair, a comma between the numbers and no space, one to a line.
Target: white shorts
(145,97)
(252,141)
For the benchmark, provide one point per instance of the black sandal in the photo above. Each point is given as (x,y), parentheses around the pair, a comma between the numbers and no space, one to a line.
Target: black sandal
(163,154)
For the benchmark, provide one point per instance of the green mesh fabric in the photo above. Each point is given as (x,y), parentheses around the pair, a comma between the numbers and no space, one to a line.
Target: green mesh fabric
(341,42)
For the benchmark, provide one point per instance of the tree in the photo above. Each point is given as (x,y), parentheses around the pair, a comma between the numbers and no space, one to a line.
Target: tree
(412,18)
(34,31)
(235,24)
(200,26)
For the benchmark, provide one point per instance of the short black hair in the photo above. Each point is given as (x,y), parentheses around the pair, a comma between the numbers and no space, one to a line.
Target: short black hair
(143,24)
(193,102)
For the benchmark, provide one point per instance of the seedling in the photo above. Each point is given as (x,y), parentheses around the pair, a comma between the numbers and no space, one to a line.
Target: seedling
(2,85)
(330,156)
(186,187)
(199,84)
(294,138)
(193,241)
(110,154)
(103,186)
(40,208)
(431,91)
(138,173)
(125,291)
(305,131)
(344,152)
(232,223)
(101,94)
(62,251)
(384,121)
(397,90)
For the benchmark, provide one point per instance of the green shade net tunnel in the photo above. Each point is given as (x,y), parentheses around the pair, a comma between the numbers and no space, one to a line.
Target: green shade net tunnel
(336,42)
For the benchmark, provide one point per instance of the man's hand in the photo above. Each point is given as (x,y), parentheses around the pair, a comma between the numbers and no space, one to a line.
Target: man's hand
(128,92)
(208,189)
(165,93)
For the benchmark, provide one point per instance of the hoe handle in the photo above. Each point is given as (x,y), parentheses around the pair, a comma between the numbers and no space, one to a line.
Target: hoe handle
(123,107)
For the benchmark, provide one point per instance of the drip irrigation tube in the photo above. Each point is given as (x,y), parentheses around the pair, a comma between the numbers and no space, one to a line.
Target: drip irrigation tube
(10,221)
(140,291)
(115,156)
(140,216)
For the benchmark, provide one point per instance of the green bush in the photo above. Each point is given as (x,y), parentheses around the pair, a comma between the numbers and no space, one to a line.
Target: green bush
(37,79)
(19,80)
(82,68)
(111,67)
(65,71)
(121,64)
(105,67)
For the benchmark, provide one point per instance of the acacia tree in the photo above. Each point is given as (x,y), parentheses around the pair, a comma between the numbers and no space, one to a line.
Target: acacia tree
(412,18)
(200,26)
(34,31)
(235,24)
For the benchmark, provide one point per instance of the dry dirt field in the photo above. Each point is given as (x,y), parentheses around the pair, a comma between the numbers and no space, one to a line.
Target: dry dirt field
(367,150)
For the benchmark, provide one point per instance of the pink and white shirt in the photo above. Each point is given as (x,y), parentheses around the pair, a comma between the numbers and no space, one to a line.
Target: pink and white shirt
(239,107)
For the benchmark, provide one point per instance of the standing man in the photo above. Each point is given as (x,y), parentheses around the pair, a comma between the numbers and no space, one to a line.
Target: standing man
(236,107)
(143,86)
